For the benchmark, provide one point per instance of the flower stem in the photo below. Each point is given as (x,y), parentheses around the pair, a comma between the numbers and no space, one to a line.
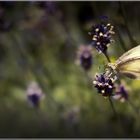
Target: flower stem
(112,105)
(107,57)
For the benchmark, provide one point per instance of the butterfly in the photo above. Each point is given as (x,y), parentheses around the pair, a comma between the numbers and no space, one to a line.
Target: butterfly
(128,64)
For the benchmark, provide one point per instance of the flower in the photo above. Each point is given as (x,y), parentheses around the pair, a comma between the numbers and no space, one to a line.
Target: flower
(5,23)
(34,94)
(49,6)
(102,36)
(85,57)
(71,116)
(104,85)
(121,94)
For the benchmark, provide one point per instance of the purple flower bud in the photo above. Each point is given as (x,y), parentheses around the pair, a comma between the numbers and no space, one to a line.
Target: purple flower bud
(121,94)
(104,85)
(102,36)
(34,94)
(85,57)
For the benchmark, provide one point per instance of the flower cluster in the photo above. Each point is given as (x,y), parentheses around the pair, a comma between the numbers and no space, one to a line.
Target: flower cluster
(102,36)
(104,85)
(85,57)
(107,87)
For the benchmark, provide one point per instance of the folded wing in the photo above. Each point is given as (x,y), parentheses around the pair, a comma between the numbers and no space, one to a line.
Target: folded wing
(129,55)
(130,68)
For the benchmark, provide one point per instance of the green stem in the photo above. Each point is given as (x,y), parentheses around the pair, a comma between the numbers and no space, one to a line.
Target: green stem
(107,57)
(112,105)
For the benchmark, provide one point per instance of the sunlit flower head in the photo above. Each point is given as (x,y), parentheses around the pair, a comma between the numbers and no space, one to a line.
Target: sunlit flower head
(34,94)
(102,36)
(104,85)
(121,93)
(84,57)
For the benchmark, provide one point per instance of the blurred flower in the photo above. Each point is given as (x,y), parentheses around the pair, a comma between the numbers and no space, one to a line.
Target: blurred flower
(49,6)
(104,84)
(34,94)
(72,116)
(5,23)
(102,36)
(121,94)
(85,57)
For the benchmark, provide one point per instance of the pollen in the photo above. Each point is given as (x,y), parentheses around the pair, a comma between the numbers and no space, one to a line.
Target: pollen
(97,29)
(101,34)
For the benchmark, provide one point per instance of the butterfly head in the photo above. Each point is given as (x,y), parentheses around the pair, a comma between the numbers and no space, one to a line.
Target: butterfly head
(112,66)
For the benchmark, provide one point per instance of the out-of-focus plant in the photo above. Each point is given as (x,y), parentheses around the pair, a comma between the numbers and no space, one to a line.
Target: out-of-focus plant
(84,57)
(121,93)
(34,94)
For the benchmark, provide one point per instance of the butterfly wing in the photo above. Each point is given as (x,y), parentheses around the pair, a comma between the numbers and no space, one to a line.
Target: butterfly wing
(130,68)
(132,53)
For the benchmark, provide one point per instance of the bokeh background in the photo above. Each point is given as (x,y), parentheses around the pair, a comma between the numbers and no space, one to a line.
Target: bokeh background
(39,43)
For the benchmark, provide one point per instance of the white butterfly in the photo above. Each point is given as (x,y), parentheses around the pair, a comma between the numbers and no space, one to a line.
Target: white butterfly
(128,64)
